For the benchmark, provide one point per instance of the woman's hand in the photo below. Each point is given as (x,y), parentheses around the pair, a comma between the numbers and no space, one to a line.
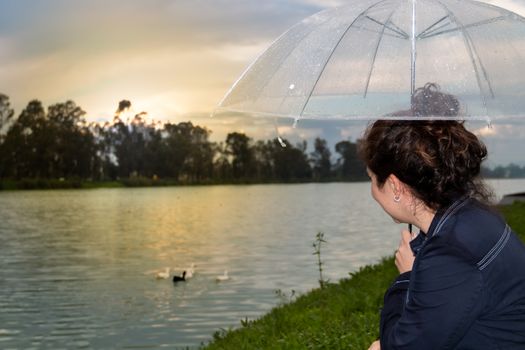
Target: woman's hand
(404,255)
(375,346)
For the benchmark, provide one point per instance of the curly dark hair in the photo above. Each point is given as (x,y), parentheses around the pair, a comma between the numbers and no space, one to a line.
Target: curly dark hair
(439,160)
(429,100)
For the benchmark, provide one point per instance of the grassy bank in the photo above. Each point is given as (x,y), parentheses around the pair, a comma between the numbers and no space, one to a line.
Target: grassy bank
(343,315)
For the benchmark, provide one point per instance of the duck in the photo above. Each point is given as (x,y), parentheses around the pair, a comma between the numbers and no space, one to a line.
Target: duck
(190,271)
(223,277)
(164,274)
(178,278)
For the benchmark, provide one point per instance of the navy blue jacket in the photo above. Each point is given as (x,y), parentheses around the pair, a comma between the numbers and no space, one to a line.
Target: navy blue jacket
(466,289)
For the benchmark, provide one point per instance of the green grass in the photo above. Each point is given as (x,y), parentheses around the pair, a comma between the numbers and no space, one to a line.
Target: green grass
(342,315)
(515,216)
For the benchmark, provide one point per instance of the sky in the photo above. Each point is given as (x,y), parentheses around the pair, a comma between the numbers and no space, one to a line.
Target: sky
(174,59)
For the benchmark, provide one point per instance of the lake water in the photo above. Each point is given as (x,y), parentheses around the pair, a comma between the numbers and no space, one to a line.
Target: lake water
(77,267)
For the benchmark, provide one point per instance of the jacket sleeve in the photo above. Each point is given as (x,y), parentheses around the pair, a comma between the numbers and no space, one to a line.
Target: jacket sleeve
(440,305)
(394,303)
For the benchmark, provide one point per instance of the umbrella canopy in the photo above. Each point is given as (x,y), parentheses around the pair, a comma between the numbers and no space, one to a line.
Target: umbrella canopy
(371,59)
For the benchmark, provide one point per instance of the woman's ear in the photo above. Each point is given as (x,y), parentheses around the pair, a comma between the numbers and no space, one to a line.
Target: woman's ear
(395,184)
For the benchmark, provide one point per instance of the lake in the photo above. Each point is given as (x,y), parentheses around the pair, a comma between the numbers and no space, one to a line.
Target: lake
(77,267)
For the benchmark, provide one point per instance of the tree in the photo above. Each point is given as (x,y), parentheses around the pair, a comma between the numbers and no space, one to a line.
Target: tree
(72,148)
(126,144)
(350,167)
(238,146)
(291,163)
(25,147)
(53,145)
(6,116)
(178,148)
(221,163)
(264,160)
(199,161)
(322,165)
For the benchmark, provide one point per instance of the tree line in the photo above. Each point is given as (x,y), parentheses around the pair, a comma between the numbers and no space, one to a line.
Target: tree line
(58,143)
(511,171)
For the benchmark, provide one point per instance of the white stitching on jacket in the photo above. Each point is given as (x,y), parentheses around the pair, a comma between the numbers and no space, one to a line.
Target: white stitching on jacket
(496,249)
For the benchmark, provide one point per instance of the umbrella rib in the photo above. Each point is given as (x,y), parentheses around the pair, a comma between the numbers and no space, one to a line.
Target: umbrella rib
(375,53)
(332,53)
(403,33)
(473,55)
(423,32)
(426,35)
(394,28)
(385,34)
(256,61)
(476,24)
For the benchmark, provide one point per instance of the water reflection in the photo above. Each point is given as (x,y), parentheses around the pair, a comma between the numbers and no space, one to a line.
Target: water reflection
(77,267)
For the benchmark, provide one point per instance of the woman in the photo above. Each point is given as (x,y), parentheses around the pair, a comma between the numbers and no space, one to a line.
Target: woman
(462,278)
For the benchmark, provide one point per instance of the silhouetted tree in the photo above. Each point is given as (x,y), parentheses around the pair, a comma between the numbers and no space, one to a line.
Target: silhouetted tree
(178,148)
(6,115)
(72,145)
(27,144)
(106,165)
(123,106)
(238,146)
(291,163)
(126,143)
(221,164)
(264,160)
(510,171)
(6,118)
(350,167)
(199,161)
(322,166)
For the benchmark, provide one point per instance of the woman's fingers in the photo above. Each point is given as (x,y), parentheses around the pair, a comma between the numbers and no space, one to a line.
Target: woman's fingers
(404,256)
(406,236)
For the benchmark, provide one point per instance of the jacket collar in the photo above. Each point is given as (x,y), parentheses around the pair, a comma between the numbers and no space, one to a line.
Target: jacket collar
(443,215)
(440,218)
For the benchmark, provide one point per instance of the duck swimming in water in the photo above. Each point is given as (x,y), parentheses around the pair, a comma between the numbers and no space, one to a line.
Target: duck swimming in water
(223,278)
(190,271)
(163,275)
(180,279)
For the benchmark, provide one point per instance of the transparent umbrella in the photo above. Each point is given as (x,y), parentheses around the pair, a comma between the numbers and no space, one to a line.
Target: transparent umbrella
(368,59)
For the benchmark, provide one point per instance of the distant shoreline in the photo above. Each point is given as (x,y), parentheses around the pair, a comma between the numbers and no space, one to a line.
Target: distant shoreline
(54,184)
(71,184)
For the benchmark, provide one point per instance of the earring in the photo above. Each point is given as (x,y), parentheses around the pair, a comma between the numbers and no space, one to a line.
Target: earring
(397,198)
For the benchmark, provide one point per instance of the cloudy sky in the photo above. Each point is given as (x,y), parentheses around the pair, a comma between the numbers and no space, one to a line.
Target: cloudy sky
(174,59)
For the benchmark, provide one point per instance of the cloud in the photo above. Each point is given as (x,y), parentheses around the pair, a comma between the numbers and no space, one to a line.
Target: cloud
(497,131)
(135,47)
(105,25)
(504,141)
